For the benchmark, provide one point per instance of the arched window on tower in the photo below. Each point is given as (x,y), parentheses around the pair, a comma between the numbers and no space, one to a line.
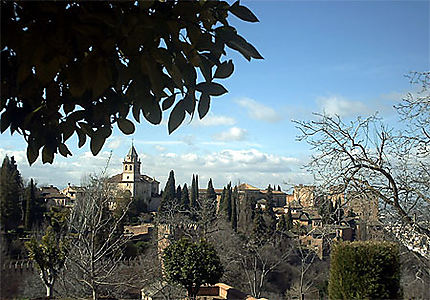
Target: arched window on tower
(125,168)
(131,168)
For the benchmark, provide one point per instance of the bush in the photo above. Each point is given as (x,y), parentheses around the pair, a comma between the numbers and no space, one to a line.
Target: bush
(364,270)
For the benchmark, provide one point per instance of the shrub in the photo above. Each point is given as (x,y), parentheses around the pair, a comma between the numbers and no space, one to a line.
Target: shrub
(364,270)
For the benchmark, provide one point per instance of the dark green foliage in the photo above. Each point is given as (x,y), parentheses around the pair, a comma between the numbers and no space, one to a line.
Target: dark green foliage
(169,193)
(210,192)
(234,208)
(77,82)
(364,270)
(223,203)
(34,207)
(279,189)
(178,194)
(10,194)
(260,227)
(192,265)
(185,198)
(50,254)
(193,198)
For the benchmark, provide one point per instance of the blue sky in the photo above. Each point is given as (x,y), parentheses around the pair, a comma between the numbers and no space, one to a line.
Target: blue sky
(344,57)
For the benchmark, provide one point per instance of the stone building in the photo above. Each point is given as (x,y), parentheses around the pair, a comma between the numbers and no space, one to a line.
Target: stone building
(141,187)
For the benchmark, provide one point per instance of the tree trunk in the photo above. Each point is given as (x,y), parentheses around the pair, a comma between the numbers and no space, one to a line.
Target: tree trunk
(49,290)
(94,294)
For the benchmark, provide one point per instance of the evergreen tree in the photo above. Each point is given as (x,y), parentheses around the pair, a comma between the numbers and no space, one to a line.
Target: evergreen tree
(185,198)
(197,188)
(30,201)
(229,202)
(179,194)
(210,192)
(193,198)
(234,203)
(279,188)
(222,210)
(10,194)
(260,228)
(169,193)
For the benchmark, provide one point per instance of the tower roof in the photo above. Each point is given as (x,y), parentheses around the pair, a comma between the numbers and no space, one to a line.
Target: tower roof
(132,153)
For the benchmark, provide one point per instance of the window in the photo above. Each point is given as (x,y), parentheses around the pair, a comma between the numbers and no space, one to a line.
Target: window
(125,168)
(131,168)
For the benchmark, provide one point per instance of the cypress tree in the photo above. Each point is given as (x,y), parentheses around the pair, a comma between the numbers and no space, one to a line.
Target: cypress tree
(197,188)
(185,198)
(10,194)
(169,193)
(178,194)
(30,201)
(279,188)
(234,202)
(193,193)
(260,228)
(210,192)
(222,210)
(228,202)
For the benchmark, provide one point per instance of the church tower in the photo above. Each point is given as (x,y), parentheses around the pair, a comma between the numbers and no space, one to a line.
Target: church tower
(131,166)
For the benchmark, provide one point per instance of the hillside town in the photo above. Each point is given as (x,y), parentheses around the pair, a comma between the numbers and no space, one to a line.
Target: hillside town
(210,150)
(304,217)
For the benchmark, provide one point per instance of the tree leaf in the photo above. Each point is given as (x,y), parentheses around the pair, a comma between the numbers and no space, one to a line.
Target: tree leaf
(167,103)
(47,155)
(190,103)
(211,88)
(224,70)
(67,128)
(64,151)
(136,111)
(242,12)
(5,121)
(245,48)
(97,142)
(177,116)
(32,153)
(126,126)
(82,137)
(152,111)
(204,105)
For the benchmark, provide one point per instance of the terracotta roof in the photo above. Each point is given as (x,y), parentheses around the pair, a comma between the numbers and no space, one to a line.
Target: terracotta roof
(117,178)
(143,178)
(245,186)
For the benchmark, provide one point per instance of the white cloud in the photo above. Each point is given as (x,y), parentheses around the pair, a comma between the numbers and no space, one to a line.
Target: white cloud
(214,120)
(336,105)
(233,134)
(259,111)
(247,165)
(160,148)
(244,165)
(114,143)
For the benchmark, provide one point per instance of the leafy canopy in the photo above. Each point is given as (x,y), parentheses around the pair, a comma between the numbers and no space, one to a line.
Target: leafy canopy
(192,264)
(74,67)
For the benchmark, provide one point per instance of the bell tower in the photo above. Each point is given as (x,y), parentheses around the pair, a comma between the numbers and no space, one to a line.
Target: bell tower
(131,166)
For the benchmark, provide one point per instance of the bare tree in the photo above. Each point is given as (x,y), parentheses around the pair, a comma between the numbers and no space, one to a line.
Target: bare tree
(98,237)
(363,156)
